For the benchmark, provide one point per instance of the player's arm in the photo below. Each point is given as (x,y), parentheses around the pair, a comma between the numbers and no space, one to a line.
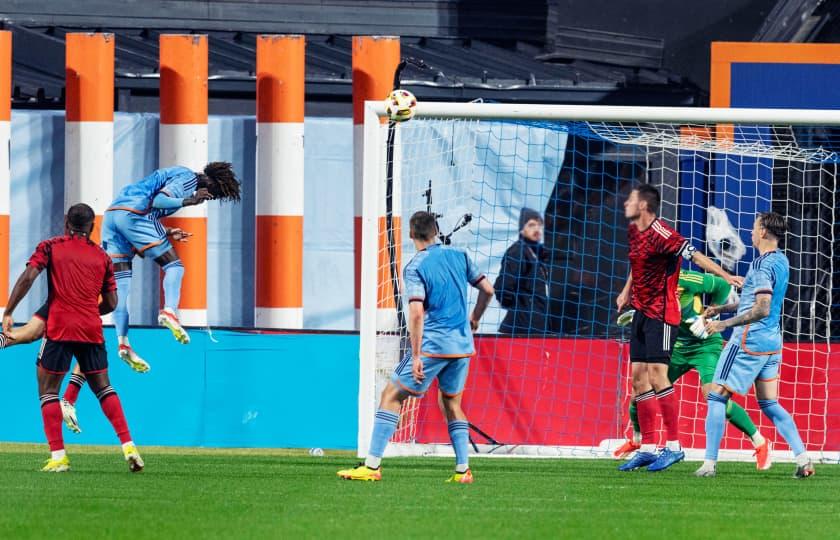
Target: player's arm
(485,293)
(760,309)
(709,265)
(623,299)
(108,294)
(416,313)
(37,262)
(164,201)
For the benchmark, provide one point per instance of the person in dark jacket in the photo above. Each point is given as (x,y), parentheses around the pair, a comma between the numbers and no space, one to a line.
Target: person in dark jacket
(522,284)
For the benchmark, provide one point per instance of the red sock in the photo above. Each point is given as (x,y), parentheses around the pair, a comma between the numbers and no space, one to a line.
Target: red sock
(668,407)
(646,408)
(112,408)
(51,413)
(71,393)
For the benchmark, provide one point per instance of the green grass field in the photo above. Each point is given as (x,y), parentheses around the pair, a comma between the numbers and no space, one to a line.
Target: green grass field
(190,493)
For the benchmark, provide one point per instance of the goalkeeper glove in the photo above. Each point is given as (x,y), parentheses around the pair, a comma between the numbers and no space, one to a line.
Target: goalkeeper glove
(698,327)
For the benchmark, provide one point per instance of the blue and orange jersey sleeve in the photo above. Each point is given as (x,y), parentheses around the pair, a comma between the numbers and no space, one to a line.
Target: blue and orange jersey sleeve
(178,182)
(415,288)
(474,276)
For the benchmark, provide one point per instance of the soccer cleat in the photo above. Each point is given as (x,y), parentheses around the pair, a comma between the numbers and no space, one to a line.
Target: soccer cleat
(57,465)
(626,449)
(363,473)
(804,471)
(167,318)
(461,478)
(68,412)
(131,358)
(641,459)
(667,457)
(132,456)
(763,460)
(706,472)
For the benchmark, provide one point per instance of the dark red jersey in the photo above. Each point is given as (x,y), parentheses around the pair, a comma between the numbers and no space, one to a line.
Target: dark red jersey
(78,272)
(655,265)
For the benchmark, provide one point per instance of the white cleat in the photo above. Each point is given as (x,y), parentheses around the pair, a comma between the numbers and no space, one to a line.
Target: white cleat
(134,361)
(68,411)
(706,472)
(169,319)
(132,456)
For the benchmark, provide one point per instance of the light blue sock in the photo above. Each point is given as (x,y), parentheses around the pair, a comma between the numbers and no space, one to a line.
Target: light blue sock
(384,426)
(173,274)
(784,424)
(715,423)
(460,435)
(123,278)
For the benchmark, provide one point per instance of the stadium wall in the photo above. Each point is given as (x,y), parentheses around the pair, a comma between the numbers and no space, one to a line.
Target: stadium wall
(226,389)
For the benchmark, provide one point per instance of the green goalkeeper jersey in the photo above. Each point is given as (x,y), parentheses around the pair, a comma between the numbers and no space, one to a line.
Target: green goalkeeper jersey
(691,288)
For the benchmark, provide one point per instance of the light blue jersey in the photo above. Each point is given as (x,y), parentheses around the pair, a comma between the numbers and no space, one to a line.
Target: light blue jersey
(175,182)
(438,277)
(754,351)
(768,273)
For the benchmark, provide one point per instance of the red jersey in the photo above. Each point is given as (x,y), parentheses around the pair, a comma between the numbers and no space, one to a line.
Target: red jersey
(654,263)
(78,272)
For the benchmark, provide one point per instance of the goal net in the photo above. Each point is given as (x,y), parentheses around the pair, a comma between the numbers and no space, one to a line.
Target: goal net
(552,378)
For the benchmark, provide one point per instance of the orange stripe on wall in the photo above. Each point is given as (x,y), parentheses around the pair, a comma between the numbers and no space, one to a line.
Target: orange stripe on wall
(279,261)
(385,289)
(96,234)
(194,256)
(89,74)
(375,59)
(280,78)
(183,79)
(5,76)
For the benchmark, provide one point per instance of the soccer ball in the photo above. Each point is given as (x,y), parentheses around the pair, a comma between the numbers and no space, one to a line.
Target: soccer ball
(400,105)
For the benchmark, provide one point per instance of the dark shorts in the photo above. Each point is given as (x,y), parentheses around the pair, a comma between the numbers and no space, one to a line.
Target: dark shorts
(56,356)
(651,341)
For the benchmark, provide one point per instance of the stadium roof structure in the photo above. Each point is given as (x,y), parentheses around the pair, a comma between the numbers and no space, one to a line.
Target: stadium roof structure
(447,69)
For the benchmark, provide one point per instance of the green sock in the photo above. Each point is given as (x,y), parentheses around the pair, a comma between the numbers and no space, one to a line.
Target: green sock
(635,417)
(740,419)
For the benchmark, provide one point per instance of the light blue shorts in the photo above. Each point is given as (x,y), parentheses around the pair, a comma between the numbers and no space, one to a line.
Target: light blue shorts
(125,233)
(738,371)
(451,374)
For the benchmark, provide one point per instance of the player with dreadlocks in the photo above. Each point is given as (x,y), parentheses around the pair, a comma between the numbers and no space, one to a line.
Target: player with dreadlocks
(132,226)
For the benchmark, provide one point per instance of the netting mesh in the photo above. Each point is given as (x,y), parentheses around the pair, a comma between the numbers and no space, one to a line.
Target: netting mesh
(551,370)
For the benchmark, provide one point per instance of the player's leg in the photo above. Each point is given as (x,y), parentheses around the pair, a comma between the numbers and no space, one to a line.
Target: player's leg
(734,374)
(766,391)
(68,402)
(93,361)
(120,249)
(53,363)
(173,275)
(705,362)
(401,386)
(660,340)
(646,410)
(452,379)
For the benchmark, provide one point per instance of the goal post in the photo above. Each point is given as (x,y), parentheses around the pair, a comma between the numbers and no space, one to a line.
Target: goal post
(562,390)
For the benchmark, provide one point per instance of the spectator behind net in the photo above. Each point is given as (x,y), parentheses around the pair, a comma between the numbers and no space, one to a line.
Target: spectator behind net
(522,284)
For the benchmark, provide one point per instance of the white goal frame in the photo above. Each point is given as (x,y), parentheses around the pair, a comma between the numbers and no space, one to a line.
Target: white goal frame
(373,194)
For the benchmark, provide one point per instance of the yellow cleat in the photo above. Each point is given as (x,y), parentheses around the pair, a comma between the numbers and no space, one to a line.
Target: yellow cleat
(361,472)
(169,319)
(461,478)
(132,456)
(127,355)
(57,465)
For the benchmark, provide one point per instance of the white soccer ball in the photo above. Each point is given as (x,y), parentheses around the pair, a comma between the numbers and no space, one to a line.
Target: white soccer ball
(400,105)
